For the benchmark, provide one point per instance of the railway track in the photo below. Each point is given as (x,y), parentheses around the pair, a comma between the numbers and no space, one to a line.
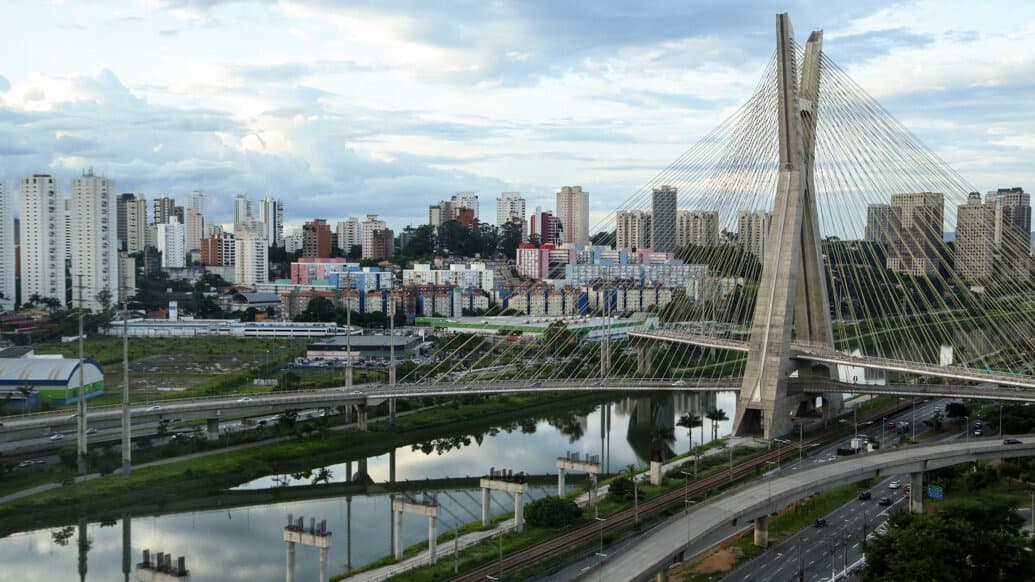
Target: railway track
(585,534)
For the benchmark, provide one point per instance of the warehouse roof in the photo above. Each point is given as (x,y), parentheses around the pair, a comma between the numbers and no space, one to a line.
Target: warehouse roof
(40,370)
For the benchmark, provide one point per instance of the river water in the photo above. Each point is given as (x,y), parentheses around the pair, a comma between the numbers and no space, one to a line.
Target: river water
(246,543)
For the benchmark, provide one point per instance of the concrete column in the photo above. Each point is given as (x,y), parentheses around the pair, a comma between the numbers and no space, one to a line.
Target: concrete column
(560,483)
(643,363)
(432,539)
(519,511)
(916,492)
(290,562)
(592,490)
(391,410)
(397,520)
(323,565)
(391,466)
(361,411)
(212,429)
(661,576)
(348,414)
(485,507)
(762,531)
(655,473)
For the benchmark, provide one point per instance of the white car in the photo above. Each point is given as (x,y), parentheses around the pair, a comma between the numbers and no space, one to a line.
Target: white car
(679,383)
(57,437)
(245,399)
(154,408)
(356,393)
(894,485)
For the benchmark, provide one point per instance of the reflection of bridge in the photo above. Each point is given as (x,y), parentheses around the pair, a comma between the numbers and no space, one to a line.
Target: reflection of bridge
(655,551)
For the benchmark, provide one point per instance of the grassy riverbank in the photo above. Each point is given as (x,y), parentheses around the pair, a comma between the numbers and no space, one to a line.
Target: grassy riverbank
(109,496)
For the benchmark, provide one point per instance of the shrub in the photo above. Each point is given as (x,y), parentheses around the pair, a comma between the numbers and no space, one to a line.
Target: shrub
(552,512)
(621,488)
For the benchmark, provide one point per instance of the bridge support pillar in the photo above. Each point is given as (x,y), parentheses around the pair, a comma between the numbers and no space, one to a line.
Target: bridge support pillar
(323,565)
(644,354)
(916,492)
(212,429)
(391,410)
(762,531)
(348,414)
(560,482)
(519,511)
(397,547)
(361,416)
(432,539)
(290,576)
(485,507)
(655,473)
(661,576)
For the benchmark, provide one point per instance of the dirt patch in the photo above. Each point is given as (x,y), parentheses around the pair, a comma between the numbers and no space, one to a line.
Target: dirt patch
(719,561)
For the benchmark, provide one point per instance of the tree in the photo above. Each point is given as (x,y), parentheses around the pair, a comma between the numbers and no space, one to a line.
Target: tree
(558,339)
(603,239)
(957,410)
(660,437)
(509,239)
(26,391)
(716,415)
(689,421)
(552,512)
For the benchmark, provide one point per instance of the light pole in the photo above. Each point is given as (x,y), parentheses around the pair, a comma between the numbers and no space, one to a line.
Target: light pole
(966,428)
(601,521)
(687,503)
(778,455)
(686,486)
(1000,419)
(883,425)
(912,422)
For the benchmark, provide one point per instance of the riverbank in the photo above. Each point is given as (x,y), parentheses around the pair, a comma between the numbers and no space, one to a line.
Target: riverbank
(109,496)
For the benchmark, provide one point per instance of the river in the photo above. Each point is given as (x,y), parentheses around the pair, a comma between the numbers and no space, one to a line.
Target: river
(246,543)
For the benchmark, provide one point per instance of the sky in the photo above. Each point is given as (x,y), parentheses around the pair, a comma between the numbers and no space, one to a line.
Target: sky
(349,108)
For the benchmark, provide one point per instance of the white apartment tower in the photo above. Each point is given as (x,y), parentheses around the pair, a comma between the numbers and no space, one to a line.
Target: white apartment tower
(632,229)
(509,206)
(197,201)
(242,210)
(271,213)
(251,258)
(193,229)
(169,239)
(465,200)
(95,241)
(367,229)
(131,214)
(42,238)
(7,278)
(699,227)
(573,215)
(753,231)
(349,234)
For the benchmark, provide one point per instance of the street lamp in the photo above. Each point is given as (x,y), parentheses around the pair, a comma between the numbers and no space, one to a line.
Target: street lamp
(778,455)
(1000,419)
(686,486)
(687,503)
(966,428)
(601,520)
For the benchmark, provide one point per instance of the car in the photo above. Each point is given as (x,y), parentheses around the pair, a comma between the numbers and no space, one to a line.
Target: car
(154,408)
(820,522)
(91,431)
(537,383)
(979,432)
(356,393)
(678,382)
(25,464)
(244,399)
(892,425)
(1011,441)
(57,437)
(894,485)
(884,501)
(977,424)
(865,496)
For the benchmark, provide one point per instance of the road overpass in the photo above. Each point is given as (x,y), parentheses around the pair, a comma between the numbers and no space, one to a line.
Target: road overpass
(664,545)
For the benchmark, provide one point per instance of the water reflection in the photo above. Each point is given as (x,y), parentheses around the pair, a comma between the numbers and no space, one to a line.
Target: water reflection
(238,535)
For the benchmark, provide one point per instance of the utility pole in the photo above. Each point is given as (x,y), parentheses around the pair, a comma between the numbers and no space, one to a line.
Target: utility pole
(81,402)
(391,359)
(126,445)
(348,343)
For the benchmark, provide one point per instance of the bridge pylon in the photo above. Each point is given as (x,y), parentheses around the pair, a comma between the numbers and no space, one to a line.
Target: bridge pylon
(792,299)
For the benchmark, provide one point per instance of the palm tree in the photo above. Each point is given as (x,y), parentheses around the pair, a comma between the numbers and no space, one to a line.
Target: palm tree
(716,415)
(25,390)
(660,436)
(689,421)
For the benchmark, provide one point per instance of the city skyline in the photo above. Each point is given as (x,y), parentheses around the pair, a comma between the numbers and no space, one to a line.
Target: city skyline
(474,128)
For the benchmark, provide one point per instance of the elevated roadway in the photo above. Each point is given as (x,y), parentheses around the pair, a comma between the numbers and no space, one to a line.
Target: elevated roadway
(654,551)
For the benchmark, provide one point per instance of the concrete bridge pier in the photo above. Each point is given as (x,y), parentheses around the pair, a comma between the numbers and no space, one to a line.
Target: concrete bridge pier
(519,511)
(427,506)
(916,492)
(560,482)
(575,462)
(212,428)
(485,507)
(290,560)
(391,410)
(391,466)
(348,414)
(644,355)
(762,531)
(510,483)
(361,416)
(661,576)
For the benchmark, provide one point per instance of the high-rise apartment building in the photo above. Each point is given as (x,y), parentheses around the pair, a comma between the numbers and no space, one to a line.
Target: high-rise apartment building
(753,231)
(663,222)
(169,240)
(42,239)
(95,247)
(242,210)
(67,203)
(349,234)
(316,239)
(441,212)
(545,226)
(633,229)
(218,250)
(131,215)
(197,201)
(975,239)
(383,243)
(367,229)
(915,233)
(271,213)
(878,223)
(698,227)
(251,255)
(164,210)
(573,213)
(1012,208)
(465,200)
(7,275)
(509,205)
(193,229)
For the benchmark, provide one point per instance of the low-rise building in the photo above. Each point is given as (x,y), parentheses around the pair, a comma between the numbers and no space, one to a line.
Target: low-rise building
(363,347)
(48,380)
